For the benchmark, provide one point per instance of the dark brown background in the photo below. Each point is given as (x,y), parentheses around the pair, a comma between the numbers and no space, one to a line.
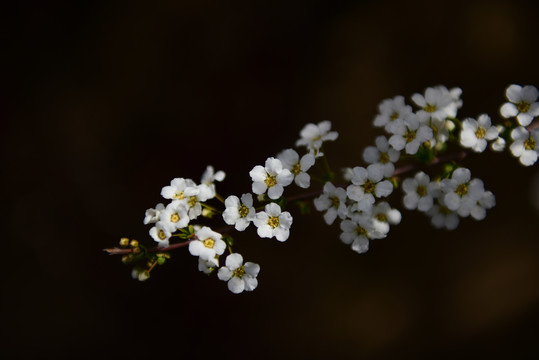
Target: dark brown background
(107,102)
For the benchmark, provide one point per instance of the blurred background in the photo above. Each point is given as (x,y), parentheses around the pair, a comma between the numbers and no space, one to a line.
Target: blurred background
(105,102)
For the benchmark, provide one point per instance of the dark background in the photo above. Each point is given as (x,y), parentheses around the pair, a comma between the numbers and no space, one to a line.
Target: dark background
(106,102)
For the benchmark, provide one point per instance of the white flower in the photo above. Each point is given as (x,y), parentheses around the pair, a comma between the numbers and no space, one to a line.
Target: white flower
(409,134)
(313,136)
(332,199)
(207,266)
(179,189)
(161,234)
(291,161)
(440,130)
(194,202)
(207,245)
(439,102)
(174,216)
(459,192)
(442,217)
(358,230)
(383,216)
(209,177)
(367,185)
(240,277)
(239,213)
(499,143)
(382,154)
(152,215)
(522,104)
(525,145)
(391,110)
(420,192)
(475,133)
(272,222)
(479,210)
(273,178)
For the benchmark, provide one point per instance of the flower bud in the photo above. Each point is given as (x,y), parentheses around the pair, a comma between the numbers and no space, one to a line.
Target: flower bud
(124,241)
(134,243)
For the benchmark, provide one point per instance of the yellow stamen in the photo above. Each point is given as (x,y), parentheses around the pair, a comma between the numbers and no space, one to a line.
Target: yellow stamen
(273,222)
(209,243)
(270,181)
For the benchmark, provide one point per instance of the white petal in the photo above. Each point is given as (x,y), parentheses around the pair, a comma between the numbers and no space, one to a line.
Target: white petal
(508,110)
(234,261)
(224,274)
(236,285)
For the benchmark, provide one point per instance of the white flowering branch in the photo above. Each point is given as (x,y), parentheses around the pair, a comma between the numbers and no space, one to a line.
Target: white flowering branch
(418,137)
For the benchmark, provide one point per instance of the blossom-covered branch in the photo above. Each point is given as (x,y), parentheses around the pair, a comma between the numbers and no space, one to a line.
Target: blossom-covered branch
(365,202)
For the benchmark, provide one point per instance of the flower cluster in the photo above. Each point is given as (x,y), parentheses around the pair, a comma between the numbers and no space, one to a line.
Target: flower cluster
(417,135)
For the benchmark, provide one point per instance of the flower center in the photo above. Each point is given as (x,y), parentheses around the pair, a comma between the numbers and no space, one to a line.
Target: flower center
(529,144)
(243,210)
(381,217)
(179,195)
(192,201)
(335,201)
(384,158)
(480,132)
(273,222)
(296,169)
(523,106)
(421,190)
(394,116)
(209,243)
(430,108)
(239,272)
(361,231)
(369,187)
(162,235)
(462,190)
(174,218)
(409,136)
(271,180)
(445,210)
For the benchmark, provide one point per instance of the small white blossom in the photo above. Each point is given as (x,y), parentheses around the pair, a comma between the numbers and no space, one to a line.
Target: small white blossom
(499,143)
(313,136)
(419,192)
(475,133)
(161,234)
(271,177)
(383,216)
(273,222)
(367,185)
(485,202)
(298,167)
(209,177)
(347,173)
(179,189)
(525,145)
(442,217)
(391,110)
(152,215)
(459,192)
(382,154)
(522,104)
(207,266)
(207,245)
(194,205)
(239,213)
(174,216)
(332,199)
(410,134)
(358,231)
(241,277)
(439,102)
